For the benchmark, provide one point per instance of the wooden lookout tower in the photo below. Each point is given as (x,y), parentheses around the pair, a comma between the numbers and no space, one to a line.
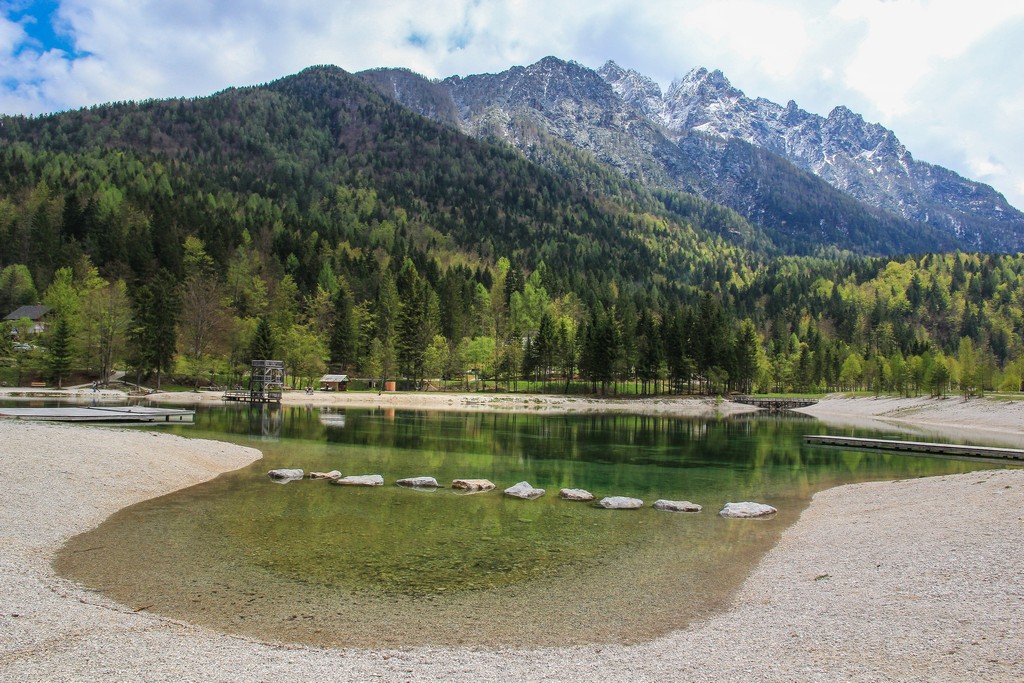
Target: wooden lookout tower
(266,383)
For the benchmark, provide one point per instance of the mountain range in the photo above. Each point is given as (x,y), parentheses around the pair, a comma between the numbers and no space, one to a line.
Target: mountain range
(807,180)
(596,173)
(691,236)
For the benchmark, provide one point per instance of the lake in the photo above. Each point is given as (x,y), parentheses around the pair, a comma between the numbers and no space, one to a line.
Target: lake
(386,566)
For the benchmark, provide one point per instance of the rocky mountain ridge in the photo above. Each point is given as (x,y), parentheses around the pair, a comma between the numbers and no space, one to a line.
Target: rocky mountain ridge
(865,160)
(835,180)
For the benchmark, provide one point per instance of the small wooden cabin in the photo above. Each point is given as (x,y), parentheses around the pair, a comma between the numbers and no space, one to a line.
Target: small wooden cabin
(334,383)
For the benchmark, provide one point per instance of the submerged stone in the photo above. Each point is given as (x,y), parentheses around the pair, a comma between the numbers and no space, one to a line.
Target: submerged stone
(747,510)
(333,474)
(620,503)
(286,475)
(360,480)
(676,506)
(524,490)
(575,494)
(418,482)
(472,484)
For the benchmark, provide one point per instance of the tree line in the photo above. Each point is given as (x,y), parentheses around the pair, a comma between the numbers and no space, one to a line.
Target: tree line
(929,324)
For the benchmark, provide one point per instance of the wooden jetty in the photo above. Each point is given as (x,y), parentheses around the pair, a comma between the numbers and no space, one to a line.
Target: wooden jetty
(243,396)
(917,447)
(774,405)
(100,414)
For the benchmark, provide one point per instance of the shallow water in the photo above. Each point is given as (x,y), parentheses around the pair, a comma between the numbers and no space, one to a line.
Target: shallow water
(386,566)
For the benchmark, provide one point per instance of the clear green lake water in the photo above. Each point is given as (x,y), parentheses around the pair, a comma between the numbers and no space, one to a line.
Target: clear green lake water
(386,566)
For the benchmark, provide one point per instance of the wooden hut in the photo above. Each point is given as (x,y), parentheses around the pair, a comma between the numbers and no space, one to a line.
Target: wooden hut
(334,383)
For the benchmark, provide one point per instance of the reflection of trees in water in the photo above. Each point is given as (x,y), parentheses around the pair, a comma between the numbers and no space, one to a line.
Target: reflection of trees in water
(265,421)
(560,445)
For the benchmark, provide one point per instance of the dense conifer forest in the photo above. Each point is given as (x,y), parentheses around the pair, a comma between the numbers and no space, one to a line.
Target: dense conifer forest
(314,220)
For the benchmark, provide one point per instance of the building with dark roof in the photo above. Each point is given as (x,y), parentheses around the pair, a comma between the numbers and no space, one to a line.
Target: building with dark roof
(35,312)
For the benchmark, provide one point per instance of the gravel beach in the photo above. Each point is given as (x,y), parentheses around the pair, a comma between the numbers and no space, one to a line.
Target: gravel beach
(908,580)
(681,406)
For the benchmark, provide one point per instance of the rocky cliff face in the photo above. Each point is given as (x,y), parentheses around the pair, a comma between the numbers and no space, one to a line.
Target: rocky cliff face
(808,180)
(864,160)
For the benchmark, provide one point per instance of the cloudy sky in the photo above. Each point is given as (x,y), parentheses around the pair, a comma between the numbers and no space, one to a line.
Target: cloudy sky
(945,75)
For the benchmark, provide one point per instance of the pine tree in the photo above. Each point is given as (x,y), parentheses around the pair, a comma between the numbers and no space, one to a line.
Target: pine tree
(60,351)
(153,338)
(342,342)
(746,356)
(164,324)
(543,347)
(263,345)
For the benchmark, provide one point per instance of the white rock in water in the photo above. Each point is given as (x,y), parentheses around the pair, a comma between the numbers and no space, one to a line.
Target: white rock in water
(418,482)
(620,503)
(472,484)
(360,480)
(747,510)
(575,494)
(333,474)
(677,506)
(286,475)
(524,490)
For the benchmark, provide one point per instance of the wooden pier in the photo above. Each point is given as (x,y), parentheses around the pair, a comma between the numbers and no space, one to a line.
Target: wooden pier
(774,405)
(917,447)
(100,414)
(243,396)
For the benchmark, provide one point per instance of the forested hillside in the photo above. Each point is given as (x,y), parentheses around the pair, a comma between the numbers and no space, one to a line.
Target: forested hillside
(315,220)
(578,107)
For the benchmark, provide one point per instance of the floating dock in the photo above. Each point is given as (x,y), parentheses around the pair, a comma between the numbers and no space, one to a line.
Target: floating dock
(774,405)
(101,414)
(917,447)
(246,396)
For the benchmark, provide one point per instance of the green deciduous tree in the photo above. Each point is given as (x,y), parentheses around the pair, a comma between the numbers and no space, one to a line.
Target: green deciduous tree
(107,319)
(204,323)
(16,288)
(850,374)
(304,354)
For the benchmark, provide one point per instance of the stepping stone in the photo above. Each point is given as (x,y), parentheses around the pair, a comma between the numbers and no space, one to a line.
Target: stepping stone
(747,510)
(285,475)
(360,480)
(418,482)
(333,474)
(620,503)
(524,490)
(677,506)
(575,494)
(472,484)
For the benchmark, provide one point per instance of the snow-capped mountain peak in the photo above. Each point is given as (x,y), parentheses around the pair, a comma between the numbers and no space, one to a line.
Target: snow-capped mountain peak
(683,139)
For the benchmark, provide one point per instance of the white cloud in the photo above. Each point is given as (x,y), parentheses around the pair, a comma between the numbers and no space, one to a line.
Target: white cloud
(773,37)
(903,41)
(943,74)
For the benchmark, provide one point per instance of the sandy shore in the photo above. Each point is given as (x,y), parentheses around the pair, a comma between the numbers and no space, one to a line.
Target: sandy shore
(987,417)
(909,580)
(689,406)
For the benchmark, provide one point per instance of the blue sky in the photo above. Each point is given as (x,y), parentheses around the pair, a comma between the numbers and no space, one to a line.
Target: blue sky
(945,75)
